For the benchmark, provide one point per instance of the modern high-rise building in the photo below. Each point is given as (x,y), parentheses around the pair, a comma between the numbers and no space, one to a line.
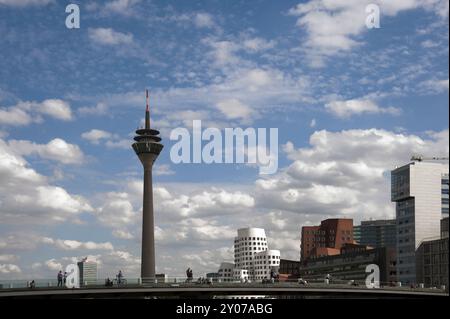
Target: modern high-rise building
(418,191)
(88,272)
(147,148)
(376,233)
(328,238)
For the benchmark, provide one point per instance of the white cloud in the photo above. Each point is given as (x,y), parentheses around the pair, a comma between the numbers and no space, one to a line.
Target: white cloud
(234,109)
(9,268)
(117,211)
(345,109)
(257,44)
(434,86)
(56,108)
(98,109)
(57,150)
(334,27)
(14,116)
(8,258)
(57,198)
(52,264)
(313,123)
(25,3)
(122,234)
(95,136)
(124,7)
(345,173)
(24,113)
(66,244)
(223,52)
(107,36)
(27,197)
(203,20)
(162,169)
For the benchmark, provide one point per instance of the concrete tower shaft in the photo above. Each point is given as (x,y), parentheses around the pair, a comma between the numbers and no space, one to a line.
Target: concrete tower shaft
(147,148)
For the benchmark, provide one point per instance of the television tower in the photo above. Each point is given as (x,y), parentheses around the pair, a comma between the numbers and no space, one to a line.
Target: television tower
(147,148)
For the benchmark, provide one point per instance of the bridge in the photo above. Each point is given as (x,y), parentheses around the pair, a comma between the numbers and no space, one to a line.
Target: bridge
(222,290)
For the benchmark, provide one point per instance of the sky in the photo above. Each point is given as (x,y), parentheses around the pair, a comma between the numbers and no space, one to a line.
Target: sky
(350,104)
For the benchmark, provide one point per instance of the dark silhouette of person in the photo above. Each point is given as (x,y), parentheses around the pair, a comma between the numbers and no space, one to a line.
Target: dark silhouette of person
(119,277)
(65,277)
(60,278)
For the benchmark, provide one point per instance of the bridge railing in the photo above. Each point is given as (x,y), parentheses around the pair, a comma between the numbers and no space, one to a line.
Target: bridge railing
(207,282)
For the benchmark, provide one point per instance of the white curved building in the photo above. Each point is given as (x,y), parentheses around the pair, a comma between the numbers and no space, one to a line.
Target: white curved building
(251,253)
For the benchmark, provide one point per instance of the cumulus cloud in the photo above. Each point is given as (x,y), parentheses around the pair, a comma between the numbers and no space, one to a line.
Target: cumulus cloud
(346,109)
(9,268)
(24,113)
(66,244)
(14,116)
(56,150)
(107,36)
(117,211)
(235,109)
(27,197)
(345,173)
(95,136)
(55,108)
(52,264)
(334,27)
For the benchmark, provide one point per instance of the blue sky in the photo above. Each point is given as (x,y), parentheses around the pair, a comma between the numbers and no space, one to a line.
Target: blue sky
(349,103)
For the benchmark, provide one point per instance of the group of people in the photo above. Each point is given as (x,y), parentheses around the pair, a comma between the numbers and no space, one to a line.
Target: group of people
(61,278)
(119,278)
(31,284)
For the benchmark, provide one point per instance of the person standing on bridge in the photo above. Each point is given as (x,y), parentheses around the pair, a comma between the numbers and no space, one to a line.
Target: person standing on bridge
(119,277)
(60,278)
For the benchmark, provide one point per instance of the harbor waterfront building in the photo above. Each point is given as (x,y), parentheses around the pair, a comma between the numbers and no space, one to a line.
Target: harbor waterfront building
(326,238)
(253,260)
(376,233)
(350,264)
(420,191)
(290,268)
(432,260)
